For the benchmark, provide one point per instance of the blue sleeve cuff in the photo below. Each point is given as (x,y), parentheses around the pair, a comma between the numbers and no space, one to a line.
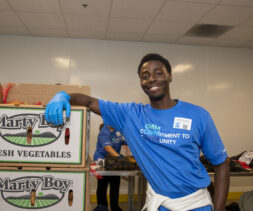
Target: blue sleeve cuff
(221,159)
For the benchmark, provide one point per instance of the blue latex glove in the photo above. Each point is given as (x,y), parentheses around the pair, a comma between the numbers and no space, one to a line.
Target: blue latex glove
(55,107)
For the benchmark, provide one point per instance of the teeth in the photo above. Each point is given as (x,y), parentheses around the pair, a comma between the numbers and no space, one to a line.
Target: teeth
(154,88)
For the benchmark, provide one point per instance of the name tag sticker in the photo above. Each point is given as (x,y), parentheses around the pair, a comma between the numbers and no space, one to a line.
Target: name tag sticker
(182,123)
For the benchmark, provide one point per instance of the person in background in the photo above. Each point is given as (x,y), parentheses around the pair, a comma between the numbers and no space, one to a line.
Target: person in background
(109,142)
(166,138)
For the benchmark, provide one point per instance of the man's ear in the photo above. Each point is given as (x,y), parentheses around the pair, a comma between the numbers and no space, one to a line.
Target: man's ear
(170,77)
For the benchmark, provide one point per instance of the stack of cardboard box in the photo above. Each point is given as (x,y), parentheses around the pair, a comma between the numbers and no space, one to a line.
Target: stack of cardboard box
(42,166)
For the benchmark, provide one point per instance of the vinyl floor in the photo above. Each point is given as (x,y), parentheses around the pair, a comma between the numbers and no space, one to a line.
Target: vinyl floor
(122,205)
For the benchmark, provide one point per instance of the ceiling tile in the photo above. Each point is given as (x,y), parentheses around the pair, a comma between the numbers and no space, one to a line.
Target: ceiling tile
(145,9)
(87,34)
(87,23)
(227,42)
(128,25)
(42,20)
(8,18)
(248,22)
(227,15)
(195,40)
(4,5)
(191,12)
(47,6)
(124,36)
(94,8)
(169,27)
(49,32)
(238,33)
(237,2)
(248,44)
(159,38)
(201,1)
(14,30)
(142,20)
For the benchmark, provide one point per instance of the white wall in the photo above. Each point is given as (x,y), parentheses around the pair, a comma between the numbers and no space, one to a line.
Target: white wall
(219,79)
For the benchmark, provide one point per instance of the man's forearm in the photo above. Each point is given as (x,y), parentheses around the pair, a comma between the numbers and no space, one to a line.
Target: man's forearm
(85,100)
(221,185)
(111,151)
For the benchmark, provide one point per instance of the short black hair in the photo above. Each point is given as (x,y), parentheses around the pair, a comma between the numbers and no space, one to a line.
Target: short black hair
(154,56)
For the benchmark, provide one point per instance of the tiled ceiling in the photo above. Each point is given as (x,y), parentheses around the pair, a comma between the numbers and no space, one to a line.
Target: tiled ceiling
(166,21)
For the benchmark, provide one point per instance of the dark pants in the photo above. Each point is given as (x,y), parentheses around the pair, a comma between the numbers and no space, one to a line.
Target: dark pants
(114,191)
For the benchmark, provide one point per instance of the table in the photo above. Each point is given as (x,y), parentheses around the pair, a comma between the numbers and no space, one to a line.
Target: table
(244,179)
(131,184)
(142,183)
(233,173)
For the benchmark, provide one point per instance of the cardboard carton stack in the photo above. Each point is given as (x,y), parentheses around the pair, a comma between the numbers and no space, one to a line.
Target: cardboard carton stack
(42,166)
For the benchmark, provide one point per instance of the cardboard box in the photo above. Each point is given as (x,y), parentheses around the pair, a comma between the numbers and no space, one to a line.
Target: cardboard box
(35,188)
(34,93)
(1,95)
(27,140)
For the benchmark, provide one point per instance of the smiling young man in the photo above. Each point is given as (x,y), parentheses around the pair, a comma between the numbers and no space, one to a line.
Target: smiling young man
(166,138)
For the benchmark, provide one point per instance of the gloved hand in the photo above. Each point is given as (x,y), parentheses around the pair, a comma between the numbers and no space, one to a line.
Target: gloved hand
(55,107)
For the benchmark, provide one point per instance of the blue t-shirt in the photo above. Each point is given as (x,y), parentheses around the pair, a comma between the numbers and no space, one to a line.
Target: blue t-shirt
(107,138)
(167,143)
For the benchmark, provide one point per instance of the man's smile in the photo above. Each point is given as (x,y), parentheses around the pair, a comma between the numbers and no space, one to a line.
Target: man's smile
(153,88)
